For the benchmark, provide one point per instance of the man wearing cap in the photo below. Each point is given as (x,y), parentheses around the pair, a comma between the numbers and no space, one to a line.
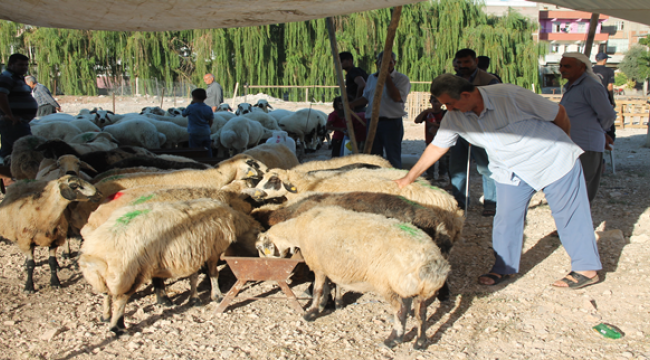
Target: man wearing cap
(586,102)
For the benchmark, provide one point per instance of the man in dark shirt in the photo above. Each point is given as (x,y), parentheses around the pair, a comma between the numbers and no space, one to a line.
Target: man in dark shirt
(17,106)
(355,78)
(605,74)
(215,92)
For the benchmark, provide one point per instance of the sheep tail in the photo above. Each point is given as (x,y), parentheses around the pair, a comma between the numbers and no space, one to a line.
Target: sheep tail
(94,270)
(434,273)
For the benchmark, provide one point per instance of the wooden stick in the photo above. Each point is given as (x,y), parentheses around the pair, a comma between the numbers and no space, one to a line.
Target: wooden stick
(234,94)
(162,98)
(381,79)
(341,79)
(113,102)
(593,24)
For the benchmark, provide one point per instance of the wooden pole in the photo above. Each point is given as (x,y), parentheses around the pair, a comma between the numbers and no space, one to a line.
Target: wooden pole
(381,79)
(593,24)
(162,98)
(174,92)
(341,80)
(113,102)
(234,94)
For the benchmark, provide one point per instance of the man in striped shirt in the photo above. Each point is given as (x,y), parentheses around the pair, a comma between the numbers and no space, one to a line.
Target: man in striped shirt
(527,139)
(17,106)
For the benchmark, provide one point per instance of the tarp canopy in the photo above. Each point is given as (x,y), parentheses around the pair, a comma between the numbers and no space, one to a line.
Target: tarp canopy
(632,10)
(162,15)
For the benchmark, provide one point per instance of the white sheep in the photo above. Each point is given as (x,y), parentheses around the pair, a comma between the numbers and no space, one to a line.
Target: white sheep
(224,115)
(264,119)
(241,133)
(224,107)
(308,127)
(103,118)
(218,123)
(138,133)
(33,213)
(279,114)
(244,108)
(174,134)
(57,117)
(263,105)
(178,120)
(160,240)
(55,130)
(357,251)
(51,169)
(174,112)
(277,183)
(157,110)
(338,162)
(281,137)
(274,156)
(93,141)
(25,159)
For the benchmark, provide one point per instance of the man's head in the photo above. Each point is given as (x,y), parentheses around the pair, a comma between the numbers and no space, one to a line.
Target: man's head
(466,61)
(435,104)
(483,62)
(18,63)
(199,95)
(456,66)
(31,81)
(347,60)
(208,79)
(571,68)
(391,66)
(453,92)
(601,58)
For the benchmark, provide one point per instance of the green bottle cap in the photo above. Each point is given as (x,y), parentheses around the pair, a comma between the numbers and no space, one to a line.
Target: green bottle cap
(607,331)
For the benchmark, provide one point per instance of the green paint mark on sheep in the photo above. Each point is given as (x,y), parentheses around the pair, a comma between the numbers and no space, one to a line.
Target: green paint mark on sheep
(143,199)
(426,184)
(412,203)
(26,181)
(411,230)
(112,178)
(88,137)
(128,217)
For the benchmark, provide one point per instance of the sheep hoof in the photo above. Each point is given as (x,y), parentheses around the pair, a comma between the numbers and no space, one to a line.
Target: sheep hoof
(444,293)
(391,342)
(103,319)
(29,289)
(65,255)
(54,283)
(339,305)
(118,331)
(310,316)
(164,301)
(420,343)
(195,302)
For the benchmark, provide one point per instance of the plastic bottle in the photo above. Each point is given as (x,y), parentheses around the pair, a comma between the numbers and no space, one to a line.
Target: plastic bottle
(607,331)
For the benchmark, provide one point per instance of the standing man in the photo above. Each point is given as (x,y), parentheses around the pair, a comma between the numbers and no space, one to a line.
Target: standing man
(390,129)
(46,103)
(17,106)
(468,70)
(355,78)
(607,78)
(215,92)
(586,102)
(527,138)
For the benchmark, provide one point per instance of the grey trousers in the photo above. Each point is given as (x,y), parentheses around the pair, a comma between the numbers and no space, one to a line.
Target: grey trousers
(592,166)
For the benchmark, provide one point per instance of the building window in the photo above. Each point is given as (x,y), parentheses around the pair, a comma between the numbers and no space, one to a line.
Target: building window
(582,27)
(620,25)
(557,26)
(617,46)
(555,48)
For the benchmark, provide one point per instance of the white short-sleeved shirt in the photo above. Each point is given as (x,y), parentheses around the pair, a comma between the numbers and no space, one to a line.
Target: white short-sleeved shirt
(388,108)
(516,130)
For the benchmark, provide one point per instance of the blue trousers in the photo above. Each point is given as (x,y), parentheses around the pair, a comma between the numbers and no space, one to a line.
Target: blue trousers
(9,133)
(389,138)
(197,141)
(569,204)
(458,173)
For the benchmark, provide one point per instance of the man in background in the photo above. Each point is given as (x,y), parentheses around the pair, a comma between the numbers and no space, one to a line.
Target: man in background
(484,64)
(607,77)
(214,91)
(17,106)
(46,103)
(355,78)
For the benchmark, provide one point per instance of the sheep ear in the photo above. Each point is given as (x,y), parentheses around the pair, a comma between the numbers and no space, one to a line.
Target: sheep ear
(66,192)
(269,106)
(290,188)
(93,111)
(85,165)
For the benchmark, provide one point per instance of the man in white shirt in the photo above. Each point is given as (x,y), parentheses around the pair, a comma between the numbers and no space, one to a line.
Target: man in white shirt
(390,129)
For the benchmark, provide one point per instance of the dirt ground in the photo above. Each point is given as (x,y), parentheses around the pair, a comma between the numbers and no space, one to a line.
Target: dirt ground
(525,318)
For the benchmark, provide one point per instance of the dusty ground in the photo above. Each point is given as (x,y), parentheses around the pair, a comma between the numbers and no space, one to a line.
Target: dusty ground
(524,319)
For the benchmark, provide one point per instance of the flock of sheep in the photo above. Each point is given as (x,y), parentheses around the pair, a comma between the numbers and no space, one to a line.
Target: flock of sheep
(146,217)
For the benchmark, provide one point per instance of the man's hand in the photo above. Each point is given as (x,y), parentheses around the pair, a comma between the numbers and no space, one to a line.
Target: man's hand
(59,109)
(403,182)
(608,142)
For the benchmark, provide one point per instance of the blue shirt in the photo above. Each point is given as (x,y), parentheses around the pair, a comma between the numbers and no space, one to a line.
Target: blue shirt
(198,119)
(19,94)
(591,114)
(515,129)
(43,96)
(388,108)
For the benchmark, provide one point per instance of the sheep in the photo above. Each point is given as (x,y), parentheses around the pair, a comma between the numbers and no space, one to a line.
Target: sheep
(157,162)
(218,123)
(307,125)
(51,169)
(264,119)
(281,137)
(338,162)
(157,110)
(174,134)
(224,115)
(224,107)
(277,183)
(244,108)
(33,213)
(102,118)
(150,194)
(357,251)
(175,112)
(160,240)
(240,133)
(263,105)
(56,117)
(55,130)
(240,167)
(137,132)
(279,114)
(123,171)
(178,120)
(274,156)
(93,141)
(25,158)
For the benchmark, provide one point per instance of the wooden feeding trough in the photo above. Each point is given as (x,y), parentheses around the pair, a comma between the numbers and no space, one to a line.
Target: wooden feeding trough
(248,269)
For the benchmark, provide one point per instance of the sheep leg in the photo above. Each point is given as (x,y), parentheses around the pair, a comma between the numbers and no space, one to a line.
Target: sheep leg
(117,320)
(338,297)
(317,299)
(108,303)
(29,269)
(213,272)
(443,292)
(194,295)
(54,267)
(159,290)
(420,309)
(401,308)
(67,255)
